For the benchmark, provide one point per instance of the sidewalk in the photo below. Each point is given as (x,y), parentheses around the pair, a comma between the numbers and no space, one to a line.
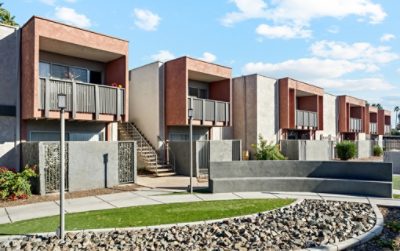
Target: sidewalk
(149,196)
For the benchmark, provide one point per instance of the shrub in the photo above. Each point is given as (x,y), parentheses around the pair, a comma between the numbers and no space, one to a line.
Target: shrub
(265,151)
(16,185)
(346,150)
(378,151)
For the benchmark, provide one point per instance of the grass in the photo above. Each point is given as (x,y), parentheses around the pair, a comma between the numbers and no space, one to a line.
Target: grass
(146,215)
(396,182)
(396,196)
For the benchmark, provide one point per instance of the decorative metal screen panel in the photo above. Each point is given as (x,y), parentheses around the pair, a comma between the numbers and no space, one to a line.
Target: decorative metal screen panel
(126,162)
(52,167)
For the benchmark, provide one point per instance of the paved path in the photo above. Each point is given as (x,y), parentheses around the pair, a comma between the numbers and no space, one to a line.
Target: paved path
(149,196)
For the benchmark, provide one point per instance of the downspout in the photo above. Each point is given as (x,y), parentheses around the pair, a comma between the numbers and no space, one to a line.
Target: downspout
(245,112)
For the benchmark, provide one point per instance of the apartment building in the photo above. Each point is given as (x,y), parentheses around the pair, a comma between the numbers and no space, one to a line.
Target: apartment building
(49,58)
(352,118)
(162,93)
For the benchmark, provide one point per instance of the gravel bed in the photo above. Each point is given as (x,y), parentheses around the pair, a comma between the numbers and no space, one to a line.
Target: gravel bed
(309,224)
(389,239)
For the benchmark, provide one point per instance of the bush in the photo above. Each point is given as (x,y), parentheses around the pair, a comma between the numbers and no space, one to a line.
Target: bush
(378,151)
(346,150)
(15,185)
(265,151)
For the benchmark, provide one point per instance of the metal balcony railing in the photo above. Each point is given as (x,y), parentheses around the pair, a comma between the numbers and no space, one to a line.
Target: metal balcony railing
(81,97)
(373,128)
(355,125)
(306,119)
(209,110)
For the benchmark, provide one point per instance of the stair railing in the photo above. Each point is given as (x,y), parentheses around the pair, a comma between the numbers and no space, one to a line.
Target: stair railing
(144,142)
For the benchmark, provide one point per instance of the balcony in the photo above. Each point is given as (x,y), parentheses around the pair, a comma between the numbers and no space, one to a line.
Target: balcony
(387,129)
(210,110)
(355,125)
(81,97)
(373,129)
(306,119)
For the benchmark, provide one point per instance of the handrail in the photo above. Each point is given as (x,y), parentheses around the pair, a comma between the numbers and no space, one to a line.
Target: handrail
(169,150)
(213,100)
(143,140)
(81,82)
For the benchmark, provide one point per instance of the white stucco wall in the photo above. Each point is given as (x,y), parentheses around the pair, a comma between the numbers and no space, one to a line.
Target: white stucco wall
(144,100)
(330,117)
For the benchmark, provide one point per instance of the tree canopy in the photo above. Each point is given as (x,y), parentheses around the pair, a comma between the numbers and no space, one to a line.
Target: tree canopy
(6,17)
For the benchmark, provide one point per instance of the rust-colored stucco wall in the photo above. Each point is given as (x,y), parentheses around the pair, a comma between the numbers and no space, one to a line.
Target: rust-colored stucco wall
(37,28)
(176,86)
(221,90)
(283,103)
(320,113)
(308,103)
(346,112)
(117,72)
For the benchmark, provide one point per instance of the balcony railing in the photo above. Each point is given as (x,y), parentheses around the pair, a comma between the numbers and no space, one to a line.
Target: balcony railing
(355,125)
(387,129)
(306,119)
(81,97)
(210,110)
(373,128)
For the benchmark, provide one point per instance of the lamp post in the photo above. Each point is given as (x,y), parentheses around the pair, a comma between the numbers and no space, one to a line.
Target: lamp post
(61,98)
(190,115)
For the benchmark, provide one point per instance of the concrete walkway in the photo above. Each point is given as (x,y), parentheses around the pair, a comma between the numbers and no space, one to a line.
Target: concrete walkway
(149,196)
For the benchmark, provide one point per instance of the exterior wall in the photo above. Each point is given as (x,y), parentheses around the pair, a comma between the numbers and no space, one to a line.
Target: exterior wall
(72,61)
(144,103)
(383,118)
(339,177)
(345,112)
(330,120)
(245,110)
(394,158)
(9,96)
(70,126)
(364,148)
(307,149)
(72,40)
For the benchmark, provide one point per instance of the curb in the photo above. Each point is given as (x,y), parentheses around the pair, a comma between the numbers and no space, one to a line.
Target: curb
(349,243)
(102,230)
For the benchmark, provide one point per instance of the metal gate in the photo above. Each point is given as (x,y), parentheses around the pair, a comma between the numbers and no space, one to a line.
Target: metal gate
(126,162)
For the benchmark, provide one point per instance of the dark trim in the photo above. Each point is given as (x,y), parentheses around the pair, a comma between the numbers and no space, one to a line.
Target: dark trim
(8,110)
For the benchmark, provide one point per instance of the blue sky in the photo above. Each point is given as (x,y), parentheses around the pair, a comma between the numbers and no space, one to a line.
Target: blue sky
(346,46)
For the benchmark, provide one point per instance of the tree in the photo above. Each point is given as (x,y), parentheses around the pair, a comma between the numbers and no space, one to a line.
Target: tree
(396,110)
(267,151)
(379,106)
(6,17)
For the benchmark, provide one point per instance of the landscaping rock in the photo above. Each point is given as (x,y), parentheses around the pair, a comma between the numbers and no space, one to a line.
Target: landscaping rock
(311,223)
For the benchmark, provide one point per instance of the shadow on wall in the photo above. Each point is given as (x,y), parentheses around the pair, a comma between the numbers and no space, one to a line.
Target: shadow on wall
(9,155)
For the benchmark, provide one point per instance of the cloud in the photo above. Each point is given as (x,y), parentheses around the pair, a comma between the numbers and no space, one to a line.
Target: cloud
(70,16)
(284,31)
(292,17)
(208,57)
(308,68)
(163,56)
(387,37)
(146,20)
(333,29)
(360,52)
(48,2)
(248,9)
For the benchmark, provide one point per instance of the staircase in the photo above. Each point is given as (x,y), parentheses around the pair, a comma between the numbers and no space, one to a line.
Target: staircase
(128,131)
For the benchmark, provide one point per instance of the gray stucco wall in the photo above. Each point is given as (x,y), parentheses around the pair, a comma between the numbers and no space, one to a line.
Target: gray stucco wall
(255,108)
(9,96)
(361,178)
(181,153)
(145,91)
(307,149)
(364,148)
(90,165)
(394,158)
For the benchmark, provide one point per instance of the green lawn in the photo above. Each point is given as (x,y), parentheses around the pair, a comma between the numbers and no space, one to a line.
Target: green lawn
(147,215)
(396,182)
(396,196)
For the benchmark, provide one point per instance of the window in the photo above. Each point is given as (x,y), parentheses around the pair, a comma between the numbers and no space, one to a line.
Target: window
(59,71)
(44,70)
(198,92)
(95,77)
(78,74)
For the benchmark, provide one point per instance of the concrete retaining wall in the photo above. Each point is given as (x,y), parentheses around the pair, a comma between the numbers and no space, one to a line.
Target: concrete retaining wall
(360,178)
(394,158)
(90,165)
(364,148)
(307,149)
